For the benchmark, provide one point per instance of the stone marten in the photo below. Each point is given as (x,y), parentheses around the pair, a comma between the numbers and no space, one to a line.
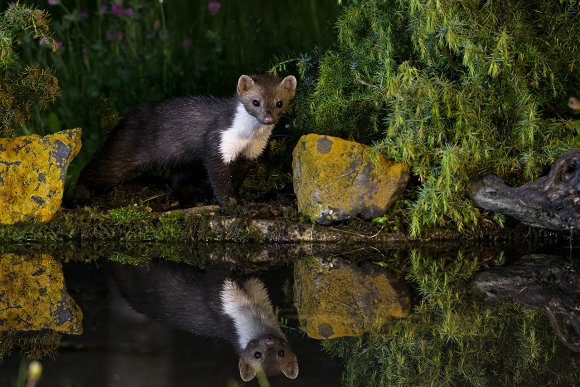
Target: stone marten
(225,134)
(208,303)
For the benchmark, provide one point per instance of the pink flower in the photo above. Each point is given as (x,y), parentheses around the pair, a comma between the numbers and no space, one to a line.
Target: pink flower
(117,10)
(52,2)
(128,12)
(82,15)
(214,6)
(45,42)
(187,42)
(114,36)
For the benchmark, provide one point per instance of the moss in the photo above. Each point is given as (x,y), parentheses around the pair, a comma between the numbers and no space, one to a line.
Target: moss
(127,215)
(137,226)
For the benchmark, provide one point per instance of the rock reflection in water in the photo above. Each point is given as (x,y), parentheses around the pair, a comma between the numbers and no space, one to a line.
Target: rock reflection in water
(336,297)
(207,302)
(546,283)
(33,295)
(451,338)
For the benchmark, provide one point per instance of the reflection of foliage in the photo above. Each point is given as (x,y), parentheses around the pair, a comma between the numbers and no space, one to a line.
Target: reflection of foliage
(456,89)
(452,339)
(22,87)
(34,345)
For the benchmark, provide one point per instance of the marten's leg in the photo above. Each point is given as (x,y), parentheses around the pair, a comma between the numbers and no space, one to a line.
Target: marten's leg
(221,179)
(189,184)
(240,169)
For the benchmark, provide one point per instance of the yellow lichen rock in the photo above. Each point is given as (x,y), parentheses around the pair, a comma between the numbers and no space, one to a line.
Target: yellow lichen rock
(335,298)
(33,295)
(32,175)
(335,179)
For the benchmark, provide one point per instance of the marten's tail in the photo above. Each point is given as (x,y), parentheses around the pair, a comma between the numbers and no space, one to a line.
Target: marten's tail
(101,174)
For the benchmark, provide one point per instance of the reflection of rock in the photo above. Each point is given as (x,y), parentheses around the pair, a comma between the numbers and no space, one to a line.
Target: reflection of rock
(33,295)
(336,298)
(551,202)
(32,174)
(546,283)
(335,179)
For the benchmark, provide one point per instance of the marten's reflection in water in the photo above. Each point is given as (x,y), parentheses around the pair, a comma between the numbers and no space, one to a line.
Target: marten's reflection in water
(209,303)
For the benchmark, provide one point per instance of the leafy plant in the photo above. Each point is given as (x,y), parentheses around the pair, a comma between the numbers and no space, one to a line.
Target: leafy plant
(23,86)
(456,89)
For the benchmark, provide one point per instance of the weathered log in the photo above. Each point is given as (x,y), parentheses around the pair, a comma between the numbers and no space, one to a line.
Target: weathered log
(551,202)
(546,283)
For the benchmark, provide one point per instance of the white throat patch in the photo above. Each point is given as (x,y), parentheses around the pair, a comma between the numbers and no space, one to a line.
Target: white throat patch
(250,309)
(246,136)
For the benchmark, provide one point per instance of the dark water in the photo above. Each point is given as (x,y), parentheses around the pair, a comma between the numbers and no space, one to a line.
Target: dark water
(121,347)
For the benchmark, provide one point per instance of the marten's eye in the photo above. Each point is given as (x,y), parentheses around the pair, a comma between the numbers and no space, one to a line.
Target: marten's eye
(279,104)
(256,103)
(257,354)
(281,353)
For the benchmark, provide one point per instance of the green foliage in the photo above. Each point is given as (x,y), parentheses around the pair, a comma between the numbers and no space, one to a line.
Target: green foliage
(34,345)
(149,50)
(127,259)
(456,89)
(23,87)
(138,224)
(125,216)
(452,339)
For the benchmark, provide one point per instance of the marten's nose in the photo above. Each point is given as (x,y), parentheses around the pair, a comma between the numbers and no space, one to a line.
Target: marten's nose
(268,119)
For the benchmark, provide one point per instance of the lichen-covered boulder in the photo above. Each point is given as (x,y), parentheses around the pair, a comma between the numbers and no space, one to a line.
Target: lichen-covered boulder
(336,298)
(33,295)
(335,179)
(32,175)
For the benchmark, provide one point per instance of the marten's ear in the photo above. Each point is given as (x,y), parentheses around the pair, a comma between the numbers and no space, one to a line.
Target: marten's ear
(245,83)
(290,369)
(289,84)
(247,371)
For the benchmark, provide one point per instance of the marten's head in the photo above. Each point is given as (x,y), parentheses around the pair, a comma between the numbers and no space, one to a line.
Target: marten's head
(270,353)
(266,97)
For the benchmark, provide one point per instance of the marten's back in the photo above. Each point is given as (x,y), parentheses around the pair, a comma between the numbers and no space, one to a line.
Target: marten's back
(169,133)
(175,127)
(179,295)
